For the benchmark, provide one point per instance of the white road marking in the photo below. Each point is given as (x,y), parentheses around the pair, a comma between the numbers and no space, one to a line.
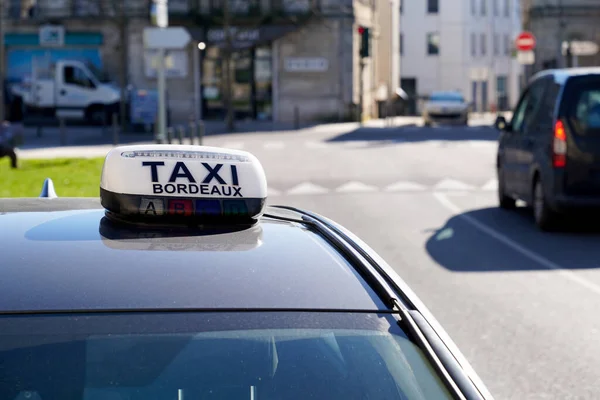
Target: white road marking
(306,188)
(452,184)
(483,143)
(316,145)
(356,143)
(355,187)
(274,145)
(491,185)
(403,186)
(273,192)
(543,261)
(233,145)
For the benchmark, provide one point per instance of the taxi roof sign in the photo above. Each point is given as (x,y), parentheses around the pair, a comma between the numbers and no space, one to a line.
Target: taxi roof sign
(182,183)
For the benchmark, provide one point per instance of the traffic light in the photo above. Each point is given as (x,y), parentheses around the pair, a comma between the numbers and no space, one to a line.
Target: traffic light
(364,41)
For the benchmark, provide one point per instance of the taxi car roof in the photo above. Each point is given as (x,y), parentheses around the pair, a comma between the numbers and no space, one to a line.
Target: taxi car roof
(64,254)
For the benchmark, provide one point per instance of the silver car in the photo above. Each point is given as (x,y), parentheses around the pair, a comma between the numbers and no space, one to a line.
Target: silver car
(446,108)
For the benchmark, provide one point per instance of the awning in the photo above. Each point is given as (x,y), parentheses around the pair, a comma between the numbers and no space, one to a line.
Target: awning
(242,37)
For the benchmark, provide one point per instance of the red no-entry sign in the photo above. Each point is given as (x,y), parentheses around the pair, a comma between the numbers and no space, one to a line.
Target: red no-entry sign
(525,41)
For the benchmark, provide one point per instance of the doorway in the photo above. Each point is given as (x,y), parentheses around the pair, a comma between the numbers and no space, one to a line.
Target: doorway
(251,84)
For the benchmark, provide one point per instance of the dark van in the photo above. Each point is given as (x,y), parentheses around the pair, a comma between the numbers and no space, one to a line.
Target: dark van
(549,153)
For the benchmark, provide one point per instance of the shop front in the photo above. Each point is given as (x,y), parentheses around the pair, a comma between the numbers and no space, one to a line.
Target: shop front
(252,72)
(251,83)
(50,44)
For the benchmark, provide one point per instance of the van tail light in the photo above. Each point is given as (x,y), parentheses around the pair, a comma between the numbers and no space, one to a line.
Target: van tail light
(559,146)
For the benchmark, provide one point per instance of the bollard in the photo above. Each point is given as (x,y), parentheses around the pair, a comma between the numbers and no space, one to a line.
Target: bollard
(170,135)
(192,132)
(63,132)
(115,129)
(296,118)
(181,133)
(201,132)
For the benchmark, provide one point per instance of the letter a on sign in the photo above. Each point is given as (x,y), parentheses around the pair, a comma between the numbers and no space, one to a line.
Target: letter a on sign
(152,207)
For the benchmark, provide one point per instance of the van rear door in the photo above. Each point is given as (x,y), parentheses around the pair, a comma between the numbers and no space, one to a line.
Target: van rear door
(580,113)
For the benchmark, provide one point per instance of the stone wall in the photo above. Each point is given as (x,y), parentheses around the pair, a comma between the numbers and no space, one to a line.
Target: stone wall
(318,93)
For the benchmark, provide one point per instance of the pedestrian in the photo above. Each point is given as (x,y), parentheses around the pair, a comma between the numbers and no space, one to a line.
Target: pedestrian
(12,131)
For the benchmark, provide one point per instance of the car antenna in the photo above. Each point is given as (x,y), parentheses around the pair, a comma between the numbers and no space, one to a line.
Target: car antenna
(48,189)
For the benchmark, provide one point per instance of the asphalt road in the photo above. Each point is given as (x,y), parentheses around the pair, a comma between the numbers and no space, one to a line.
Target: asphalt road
(522,305)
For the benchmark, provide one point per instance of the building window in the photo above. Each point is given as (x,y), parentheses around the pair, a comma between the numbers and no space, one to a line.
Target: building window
(496,44)
(401,44)
(506,8)
(483,7)
(496,8)
(433,43)
(482,41)
(506,45)
(473,7)
(473,44)
(432,6)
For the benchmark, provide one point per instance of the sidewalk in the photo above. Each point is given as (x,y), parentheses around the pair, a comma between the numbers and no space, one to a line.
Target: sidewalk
(89,142)
(50,136)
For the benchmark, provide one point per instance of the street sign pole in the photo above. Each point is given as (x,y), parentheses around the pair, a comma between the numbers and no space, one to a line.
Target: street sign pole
(162,21)
(162,107)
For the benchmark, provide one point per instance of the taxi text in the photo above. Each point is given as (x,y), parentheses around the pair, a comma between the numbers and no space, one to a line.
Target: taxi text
(194,186)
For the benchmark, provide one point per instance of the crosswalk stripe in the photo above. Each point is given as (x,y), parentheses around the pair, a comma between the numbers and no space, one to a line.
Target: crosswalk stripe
(273,192)
(306,188)
(403,186)
(233,145)
(355,187)
(316,145)
(490,185)
(274,145)
(452,184)
(356,143)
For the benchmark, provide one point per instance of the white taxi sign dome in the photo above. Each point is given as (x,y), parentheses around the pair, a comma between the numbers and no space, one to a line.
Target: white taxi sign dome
(185,182)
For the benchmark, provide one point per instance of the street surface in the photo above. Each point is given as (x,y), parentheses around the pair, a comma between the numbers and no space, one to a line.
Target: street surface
(522,305)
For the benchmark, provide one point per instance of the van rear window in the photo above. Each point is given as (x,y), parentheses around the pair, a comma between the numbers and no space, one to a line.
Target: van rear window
(583,107)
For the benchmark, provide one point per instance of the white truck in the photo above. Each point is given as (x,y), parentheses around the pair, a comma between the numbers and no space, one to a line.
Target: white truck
(68,89)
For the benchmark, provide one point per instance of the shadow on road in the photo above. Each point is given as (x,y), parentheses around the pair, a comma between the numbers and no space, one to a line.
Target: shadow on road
(463,247)
(414,133)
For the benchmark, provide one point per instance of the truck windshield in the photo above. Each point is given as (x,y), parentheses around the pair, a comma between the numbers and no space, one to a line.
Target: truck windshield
(99,74)
(212,355)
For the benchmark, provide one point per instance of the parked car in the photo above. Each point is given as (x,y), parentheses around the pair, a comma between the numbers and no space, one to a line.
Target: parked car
(447,108)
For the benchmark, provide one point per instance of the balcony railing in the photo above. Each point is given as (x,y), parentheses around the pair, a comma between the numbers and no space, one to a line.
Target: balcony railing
(68,9)
(205,9)
(572,10)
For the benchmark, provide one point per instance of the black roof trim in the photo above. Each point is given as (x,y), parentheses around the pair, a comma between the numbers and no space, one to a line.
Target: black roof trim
(447,364)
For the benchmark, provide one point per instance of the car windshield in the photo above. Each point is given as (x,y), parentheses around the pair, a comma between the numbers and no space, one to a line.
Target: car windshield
(212,355)
(447,97)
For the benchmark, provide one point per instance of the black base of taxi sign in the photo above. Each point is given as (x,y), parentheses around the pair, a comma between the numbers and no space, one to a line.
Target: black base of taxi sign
(181,210)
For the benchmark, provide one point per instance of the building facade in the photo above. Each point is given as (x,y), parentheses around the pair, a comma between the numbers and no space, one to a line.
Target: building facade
(464,45)
(290,58)
(556,21)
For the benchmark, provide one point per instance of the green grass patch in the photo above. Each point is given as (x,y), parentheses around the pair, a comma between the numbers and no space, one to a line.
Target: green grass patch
(72,177)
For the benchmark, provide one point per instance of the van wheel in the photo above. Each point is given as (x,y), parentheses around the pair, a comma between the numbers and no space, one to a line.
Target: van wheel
(545,218)
(506,202)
